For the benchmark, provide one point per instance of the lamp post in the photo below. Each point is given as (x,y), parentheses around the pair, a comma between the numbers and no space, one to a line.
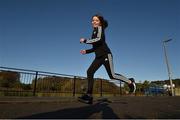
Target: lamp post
(168,66)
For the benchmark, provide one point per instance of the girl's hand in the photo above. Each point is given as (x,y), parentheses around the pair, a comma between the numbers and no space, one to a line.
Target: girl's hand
(83,52)
(82,40)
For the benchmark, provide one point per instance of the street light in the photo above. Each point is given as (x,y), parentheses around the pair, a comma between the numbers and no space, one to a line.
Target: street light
(168,67)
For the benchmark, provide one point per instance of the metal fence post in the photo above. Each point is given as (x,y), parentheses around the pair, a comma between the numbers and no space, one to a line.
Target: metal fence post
(120,88)
(34,90)
(101,87)
(74,86)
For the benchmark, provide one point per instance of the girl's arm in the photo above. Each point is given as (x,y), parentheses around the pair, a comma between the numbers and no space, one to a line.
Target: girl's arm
(98,38)
(87,51)
(90,50)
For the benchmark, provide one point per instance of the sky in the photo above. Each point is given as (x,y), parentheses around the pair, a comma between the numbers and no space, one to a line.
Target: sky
(44,35)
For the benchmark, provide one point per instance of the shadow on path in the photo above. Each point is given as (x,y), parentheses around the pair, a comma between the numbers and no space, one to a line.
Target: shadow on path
(97,110)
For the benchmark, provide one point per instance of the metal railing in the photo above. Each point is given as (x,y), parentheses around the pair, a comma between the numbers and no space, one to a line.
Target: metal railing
(21,82)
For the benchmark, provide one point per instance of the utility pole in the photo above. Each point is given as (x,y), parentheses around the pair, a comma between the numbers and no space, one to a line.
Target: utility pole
(168,66)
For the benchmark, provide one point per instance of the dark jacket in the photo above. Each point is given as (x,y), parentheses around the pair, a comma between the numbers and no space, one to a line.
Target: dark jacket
(98,42)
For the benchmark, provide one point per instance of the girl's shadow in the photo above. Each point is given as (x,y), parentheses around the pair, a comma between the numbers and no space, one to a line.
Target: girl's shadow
(80,113)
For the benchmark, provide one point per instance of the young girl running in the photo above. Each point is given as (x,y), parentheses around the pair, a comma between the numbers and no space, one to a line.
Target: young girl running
(103,56)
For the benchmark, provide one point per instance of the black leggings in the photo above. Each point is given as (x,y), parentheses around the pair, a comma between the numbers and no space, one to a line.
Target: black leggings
(107,61)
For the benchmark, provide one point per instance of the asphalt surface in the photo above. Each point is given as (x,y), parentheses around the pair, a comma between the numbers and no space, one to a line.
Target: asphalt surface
(125,107)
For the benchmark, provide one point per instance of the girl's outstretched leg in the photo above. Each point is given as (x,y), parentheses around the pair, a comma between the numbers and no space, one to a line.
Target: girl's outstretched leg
(108,63)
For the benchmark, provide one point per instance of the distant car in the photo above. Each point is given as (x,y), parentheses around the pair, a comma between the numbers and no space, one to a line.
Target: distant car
(156,91)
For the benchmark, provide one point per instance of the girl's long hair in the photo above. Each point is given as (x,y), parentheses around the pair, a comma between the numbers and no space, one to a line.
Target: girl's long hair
(104,22)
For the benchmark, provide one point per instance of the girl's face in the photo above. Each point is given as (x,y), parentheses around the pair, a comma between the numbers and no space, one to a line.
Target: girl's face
(96,22)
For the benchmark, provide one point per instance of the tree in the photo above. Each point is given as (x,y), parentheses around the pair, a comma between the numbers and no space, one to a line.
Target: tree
(145,85)
(9,79)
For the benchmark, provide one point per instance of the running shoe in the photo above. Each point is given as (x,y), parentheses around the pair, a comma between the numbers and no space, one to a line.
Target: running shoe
(86,99)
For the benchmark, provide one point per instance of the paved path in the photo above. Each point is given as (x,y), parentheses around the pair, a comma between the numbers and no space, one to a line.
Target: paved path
(120,107)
